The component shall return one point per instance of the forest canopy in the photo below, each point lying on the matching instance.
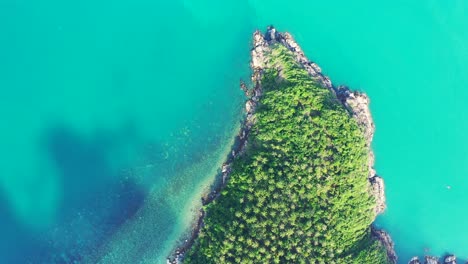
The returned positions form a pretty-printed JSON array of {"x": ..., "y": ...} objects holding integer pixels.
[{"x": 300, "y": 192}]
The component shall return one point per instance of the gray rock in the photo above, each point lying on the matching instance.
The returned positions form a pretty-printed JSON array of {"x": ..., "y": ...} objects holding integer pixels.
[
  {"x": 226, "y": 168},
  {"x": 431, "y": 260},
  {"x": 260, "y": 46},
  {"x": 250, "y": 106},
  {"x": 387, "y": 242},
  {"x": 414, "y": 260},
  {"x": 358, "y": 104},
  {"x": 450, "y": 259},
  {"x": 250, "y": 121},
  {"x": 378, "y": 191}
]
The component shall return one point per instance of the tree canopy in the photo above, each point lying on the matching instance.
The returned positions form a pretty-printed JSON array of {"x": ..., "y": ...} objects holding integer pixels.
[{"x": 300, "y": 192}]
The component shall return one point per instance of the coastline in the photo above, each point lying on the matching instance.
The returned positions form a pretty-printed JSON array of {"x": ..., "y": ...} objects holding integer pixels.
[
  {"x": 252, "y": 94},
  {"x": 356, "y": 103},
  {"x": 237, "y": 149}
]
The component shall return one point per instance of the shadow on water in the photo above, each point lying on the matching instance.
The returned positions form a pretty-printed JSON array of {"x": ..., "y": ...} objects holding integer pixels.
[
  {"x": 96, "y": 199},
  {"x": 19, "y": 238},
  {"x": 82, "y": 165}
]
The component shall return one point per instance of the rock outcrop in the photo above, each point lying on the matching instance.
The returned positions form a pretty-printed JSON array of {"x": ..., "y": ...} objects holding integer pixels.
[
  {"x": 431, "y": 260},
  {"x": 414, "y": 260},
  {"x": 357, "y": 104},
  {"x": 378, "y": 191},
  {"x": 450, "y": 259},
  {"x": 387, "y": 242}
]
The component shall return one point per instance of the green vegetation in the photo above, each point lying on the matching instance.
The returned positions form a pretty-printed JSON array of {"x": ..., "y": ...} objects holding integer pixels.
[{"x": 300, "y": 192}]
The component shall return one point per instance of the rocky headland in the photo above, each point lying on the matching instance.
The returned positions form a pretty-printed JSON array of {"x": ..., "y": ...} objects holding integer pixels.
[{"x": 357, "y": 104}]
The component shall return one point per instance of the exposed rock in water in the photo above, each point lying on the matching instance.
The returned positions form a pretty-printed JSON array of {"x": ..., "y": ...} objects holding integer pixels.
[
  {"x": 260, "y": 46},
  {"x": 431, "y": 260},
  {"x": 414, "y": 260},
  {"x": 450, "y": 259}
]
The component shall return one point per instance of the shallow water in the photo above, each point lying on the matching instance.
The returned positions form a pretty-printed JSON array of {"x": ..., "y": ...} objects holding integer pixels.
[{"x": 117, "y": 114}]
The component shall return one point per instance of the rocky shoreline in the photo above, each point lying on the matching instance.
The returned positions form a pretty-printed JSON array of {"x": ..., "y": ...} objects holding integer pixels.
[{"x": 449, "y": 259}]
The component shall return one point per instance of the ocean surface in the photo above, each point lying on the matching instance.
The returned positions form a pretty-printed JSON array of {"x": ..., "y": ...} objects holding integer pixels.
[{"x": 117, "y": 115}]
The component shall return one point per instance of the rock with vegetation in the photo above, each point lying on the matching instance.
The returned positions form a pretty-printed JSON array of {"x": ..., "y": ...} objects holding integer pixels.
[{"x": 300, "y": 192}]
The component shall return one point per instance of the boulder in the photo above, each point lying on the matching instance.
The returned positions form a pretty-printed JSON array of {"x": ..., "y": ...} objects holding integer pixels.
[
  {"x": 226, "y": 168},
  {"x": 450, "y": 259},
  {"x": 414, "y": 260},
  {"x": 250, "y": 106},
  {"x": 378, "y": 191},
  {"x": 431, "y": 260}
]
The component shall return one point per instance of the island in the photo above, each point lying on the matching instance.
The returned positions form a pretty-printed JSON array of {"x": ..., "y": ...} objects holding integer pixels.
[{"x": 299, "y": 186}]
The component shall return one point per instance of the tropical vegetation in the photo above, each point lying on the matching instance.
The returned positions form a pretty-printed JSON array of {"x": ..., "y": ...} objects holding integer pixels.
[{"x": 300, "y": 193}]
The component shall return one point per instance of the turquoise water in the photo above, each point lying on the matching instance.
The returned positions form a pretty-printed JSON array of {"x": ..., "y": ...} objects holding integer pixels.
[{"x": 116, "y": 115}]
